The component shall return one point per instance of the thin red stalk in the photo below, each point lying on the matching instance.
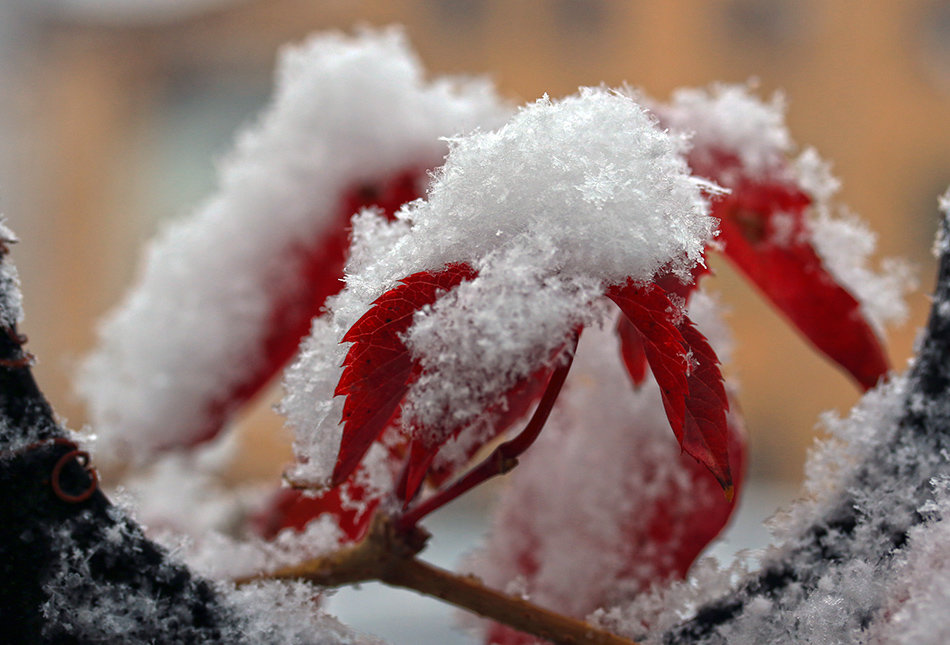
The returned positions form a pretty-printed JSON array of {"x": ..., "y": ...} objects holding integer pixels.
[{"x": 504, "y": 457}]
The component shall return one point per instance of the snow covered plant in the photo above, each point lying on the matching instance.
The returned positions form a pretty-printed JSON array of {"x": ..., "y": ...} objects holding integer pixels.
[{"x": 450, "y": 257}]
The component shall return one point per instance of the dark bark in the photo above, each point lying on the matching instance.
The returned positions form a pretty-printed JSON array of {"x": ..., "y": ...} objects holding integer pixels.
[{"x": 90, "y": 544}]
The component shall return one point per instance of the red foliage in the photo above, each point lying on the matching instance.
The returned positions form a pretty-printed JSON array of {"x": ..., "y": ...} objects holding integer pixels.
[
  {"x": 378, "y": 368},
  {"x": 686, "y": 369},
  {"x": 765, "y": 232},
  {"x": 665, "y": 532},
  {"x": 293, "y": 509}
]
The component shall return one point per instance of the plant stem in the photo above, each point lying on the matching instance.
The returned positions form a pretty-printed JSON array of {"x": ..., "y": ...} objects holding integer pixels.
[
  {"x": 387, "y": 554},
  {"x": 505, "y": 456},
  {"x": 469, "y": 593}
]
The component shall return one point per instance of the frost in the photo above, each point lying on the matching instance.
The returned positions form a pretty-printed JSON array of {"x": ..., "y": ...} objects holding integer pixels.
[
  {"x": 345, "y": 110},
  {"x": 527, "y": 206}
]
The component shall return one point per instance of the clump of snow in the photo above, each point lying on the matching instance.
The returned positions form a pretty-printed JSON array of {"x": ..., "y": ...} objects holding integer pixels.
[
  {"x": 941, "y": 242},
  {"x": 569, "y": 197},
  {"x": 730, "y": 118},
  {"x": 845, "y": 244},
  {"x": 831, "y": 599},
  {"x": 346, "y": 109},
  {"x": 221, "y": 556},
  {"x": 11, "y": 299},
  {"x": 288, "y": 613},
  {"x": 193, "y": 479},
  {"x": 915, "y": 611}
]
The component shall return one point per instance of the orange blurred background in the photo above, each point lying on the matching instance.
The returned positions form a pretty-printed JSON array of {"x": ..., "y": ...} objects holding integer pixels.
[{"x": 114, "y": 113}]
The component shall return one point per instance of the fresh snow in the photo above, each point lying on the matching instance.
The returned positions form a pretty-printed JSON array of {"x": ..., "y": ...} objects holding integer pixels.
[
  {"x": 567, "y": 198},
  {"x": 345, "y": 110}
]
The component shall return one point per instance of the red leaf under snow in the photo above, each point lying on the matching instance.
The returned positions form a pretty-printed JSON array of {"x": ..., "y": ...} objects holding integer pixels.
[
  {"x": 686, "y": 369},
  {"x": 320, "y": 272},
  {"x": 631, "y": 347},
  {"x": 510, "y": 408},
  {"x": 765, "y": 233},
  {"x": 378, "y": 368},
  {"x": 766, "y": 236},
  {"x": 291, "y": 508},
  {"x": 664, "y": 531}
]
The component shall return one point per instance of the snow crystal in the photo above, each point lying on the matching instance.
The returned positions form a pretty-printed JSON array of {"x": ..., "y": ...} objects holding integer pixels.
[
  {"x": 730, "y": 118},
  {"x": 569, "y": 197},
  {"x": 345, "y": 110}
]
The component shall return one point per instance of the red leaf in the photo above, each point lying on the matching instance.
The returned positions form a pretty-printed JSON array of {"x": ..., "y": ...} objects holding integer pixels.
[
  {"x": 765, "y": 232},
  {"x": 668, "y": 531},
  {"x": 791, "y": 274},
  {"x": 291, "y": 508},
  {"x": 687, "y": 371},
  {"x": 320, "y": 272},
  {"x": 511, "y": 407},
  {"x": 631, "y": 350},
  {"x": 378, "y": 369},
  {"x": 631, "y": 347}
]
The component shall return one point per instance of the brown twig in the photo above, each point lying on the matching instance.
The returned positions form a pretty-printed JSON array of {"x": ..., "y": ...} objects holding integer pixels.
[{"x": 387, "y": 554}]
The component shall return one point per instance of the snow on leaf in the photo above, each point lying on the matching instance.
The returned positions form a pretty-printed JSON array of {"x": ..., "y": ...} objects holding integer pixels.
[
  {"x": 741, "y": 143},
  {"x": 226, "y": 293},
  {"x": 510, "y": 203},
  {"x": 686, "y": 369},
  {"x": 765, "y": 234},
  {"x": 378, "y": 368}
]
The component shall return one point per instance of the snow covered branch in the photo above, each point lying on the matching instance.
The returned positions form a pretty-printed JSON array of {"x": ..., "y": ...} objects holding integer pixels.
[{"x": 837, "y": 575}]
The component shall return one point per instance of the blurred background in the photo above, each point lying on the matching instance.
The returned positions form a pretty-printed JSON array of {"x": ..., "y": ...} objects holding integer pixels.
[{"x": 114, "y": 111}]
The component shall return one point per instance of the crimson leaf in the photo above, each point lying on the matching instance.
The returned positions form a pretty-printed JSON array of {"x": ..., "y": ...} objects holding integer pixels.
[
  {"x": 765, "y": 233},
  {"x": 687, "y": 371},
  {"x": 787, "y": 269},
  {"x": 378, "y": 369}
]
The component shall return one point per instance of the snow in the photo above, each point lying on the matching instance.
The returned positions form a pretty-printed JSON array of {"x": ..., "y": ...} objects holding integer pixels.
[
  {"x": 92, "y": 603},
  {"x": 346, "y": 109},
  {"x": 11, "y": 299},
  {"x": 862, "y": 557},
  {"x": 567, "y": 198},
  {"x": 729, "y": 117}
]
